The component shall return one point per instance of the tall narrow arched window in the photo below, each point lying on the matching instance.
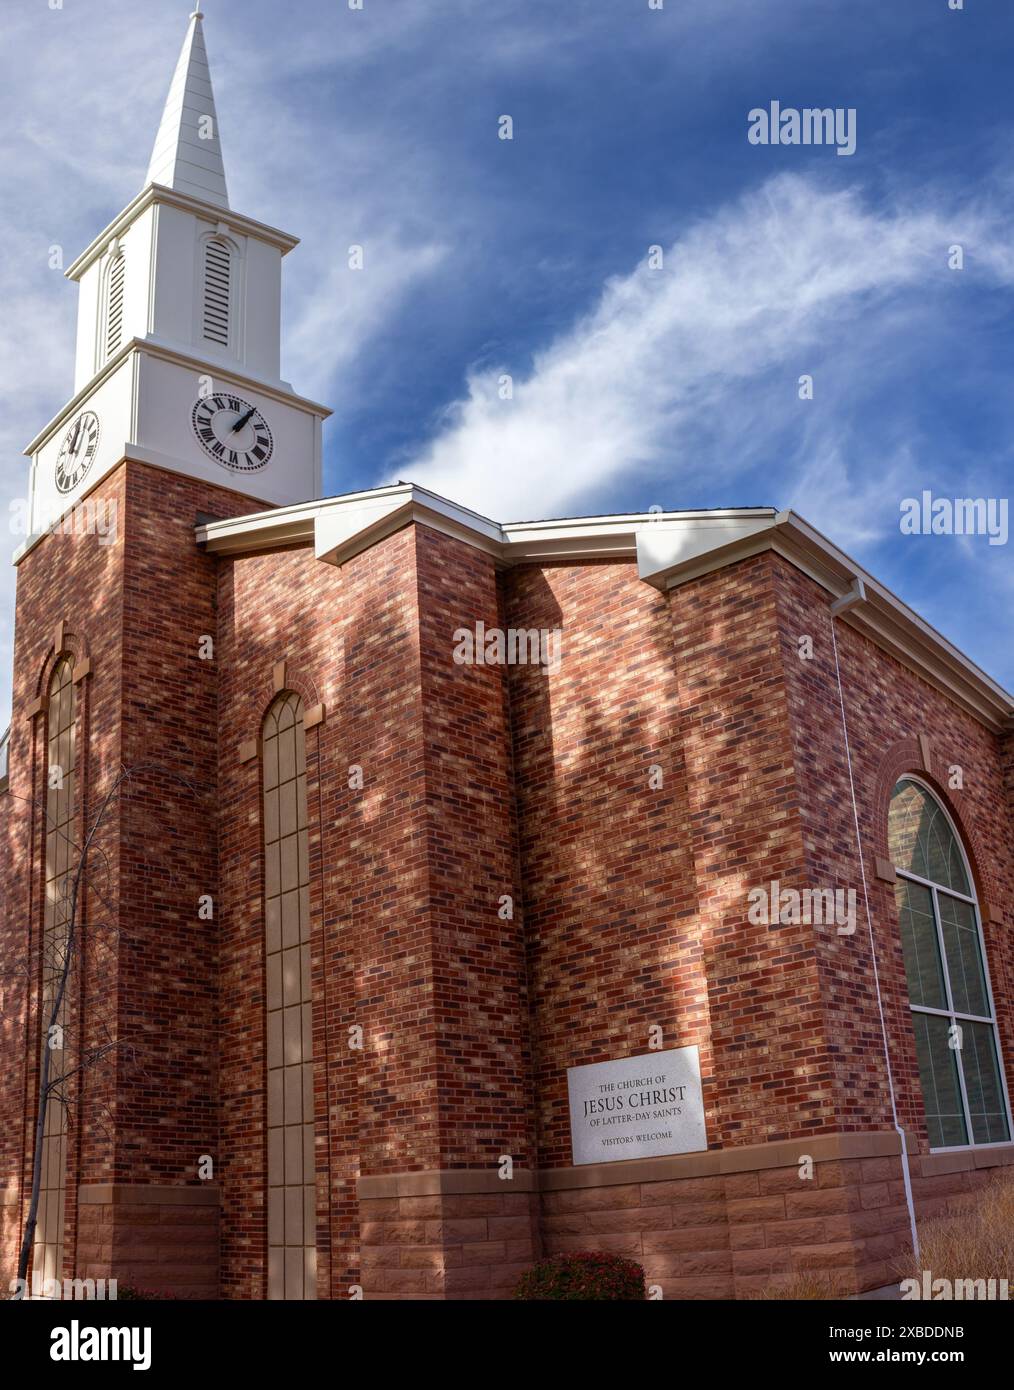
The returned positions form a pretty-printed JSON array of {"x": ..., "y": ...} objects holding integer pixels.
[
  {"x": 216, "y": 306},
  {"x": 292, "y": 1194},
  {"x": 948, "y": 978},
  {"x": 61, "y": 856},
  {"x": 116, "y": 275}
]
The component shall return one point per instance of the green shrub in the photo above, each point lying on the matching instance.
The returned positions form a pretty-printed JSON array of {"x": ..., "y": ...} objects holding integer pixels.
[
  {"x": 130, "y": 1293},
  {"x": 591, "y": 1274}
]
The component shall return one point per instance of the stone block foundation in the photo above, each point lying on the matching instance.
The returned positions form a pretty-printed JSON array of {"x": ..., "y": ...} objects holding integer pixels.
[
  {"x": 728, "y": 1223},
  {"x": 457, "y": 1234},
  {"x": 152, "y": 1237}
]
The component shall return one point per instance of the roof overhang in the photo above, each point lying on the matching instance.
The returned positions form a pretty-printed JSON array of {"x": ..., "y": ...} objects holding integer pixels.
[
  {"x": 669, "y": 548},
  {"x": 156, "y": 193},
  {"x": 340, "y": 527},
  {"x": 668, "y": 557}
]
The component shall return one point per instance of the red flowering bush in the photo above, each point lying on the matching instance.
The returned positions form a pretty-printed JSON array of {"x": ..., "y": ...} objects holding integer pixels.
[{"x": 586, "y": 1274}]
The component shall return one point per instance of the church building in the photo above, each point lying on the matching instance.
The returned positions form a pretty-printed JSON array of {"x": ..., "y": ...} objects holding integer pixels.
[{"x": 436, "y": 892}]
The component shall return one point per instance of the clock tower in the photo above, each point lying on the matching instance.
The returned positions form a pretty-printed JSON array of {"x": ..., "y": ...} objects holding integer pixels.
[
  {"x": 179, "y": 326},
  {"x": 121, "y": 656}
]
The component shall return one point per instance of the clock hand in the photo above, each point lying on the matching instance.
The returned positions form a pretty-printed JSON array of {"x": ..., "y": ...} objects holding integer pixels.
[
  {"x": 243, "y": 420},
  {"x": 77, "y": 436}
]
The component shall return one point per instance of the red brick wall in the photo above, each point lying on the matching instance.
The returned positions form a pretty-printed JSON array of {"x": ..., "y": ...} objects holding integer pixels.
[
  {"x": 406, "y": 875},
  {"x": 168, "y": 1108},
  {"x": 74, "y": 578},
  {"x": 147, "y": 976},
  {"x": 606, "y": 868},
  {"x": 478, "y": 956},
  {"x": 861, "y": 1093},
  {"x": 887, "y": 708},
  {"x": 1007, "y": 751},
  {"x": 269, "y": 609},
  {"x": 769, "y": 1042},
  {"x": 636, "y": 899},
  {"x": 750, "y": 737},
  {"x": 630, "y": 901}
]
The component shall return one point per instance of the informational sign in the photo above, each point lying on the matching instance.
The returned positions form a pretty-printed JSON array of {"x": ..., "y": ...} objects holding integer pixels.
[{"x": 637, "y": 1107}]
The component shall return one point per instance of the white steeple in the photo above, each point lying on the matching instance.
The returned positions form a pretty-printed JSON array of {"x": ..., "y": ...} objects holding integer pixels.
[
  {"x": 178, "y": 362},
  {"x": 188, "y": 154}
]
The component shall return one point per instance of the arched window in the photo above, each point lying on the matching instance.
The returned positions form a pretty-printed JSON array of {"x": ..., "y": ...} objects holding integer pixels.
[
  {"x": 61, "y": 856},
  {"x": 948, "y": 978},
  {"x": 292, "y": 1192},
  {"x": 116, "y": 273},
  {"x": 216, "y": 307}
]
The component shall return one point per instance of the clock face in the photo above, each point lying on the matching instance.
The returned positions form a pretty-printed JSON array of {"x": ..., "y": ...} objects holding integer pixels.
[
  {"x": 77, "y": 452},
  {"x": 233, "y": 432}
]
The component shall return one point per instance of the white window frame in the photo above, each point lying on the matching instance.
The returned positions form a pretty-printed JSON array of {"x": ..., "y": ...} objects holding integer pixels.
[{"x": 950, "y": 1012}]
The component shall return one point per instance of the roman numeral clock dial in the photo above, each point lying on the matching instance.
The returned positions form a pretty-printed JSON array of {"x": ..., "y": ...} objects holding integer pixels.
[
  {"x": 232, "y": 432},
  {"x": 77, "y": 452}
]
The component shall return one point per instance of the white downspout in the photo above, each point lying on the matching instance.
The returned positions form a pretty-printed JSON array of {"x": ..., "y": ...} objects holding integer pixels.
[{"x": 857, "y": 594}]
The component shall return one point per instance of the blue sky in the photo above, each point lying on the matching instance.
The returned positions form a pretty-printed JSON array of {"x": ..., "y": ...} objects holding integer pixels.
[{"x": 632, "y": 387}]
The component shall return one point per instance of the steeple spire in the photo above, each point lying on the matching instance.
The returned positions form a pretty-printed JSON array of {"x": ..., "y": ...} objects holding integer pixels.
[{"x": 188, "y": 154}]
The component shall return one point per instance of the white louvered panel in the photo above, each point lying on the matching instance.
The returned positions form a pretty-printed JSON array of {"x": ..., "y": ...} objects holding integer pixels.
[
  {"x": 114, "y": 306},
  {"x": 217, "y": 286}
]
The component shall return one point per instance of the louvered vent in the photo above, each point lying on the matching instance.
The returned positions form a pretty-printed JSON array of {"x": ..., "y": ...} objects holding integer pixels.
[
  {"x": 217, "y": 275},
  {"x": 114, "y": 306}
]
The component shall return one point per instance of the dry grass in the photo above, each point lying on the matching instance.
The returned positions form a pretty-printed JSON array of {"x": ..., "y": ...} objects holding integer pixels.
[
  {"x": 807, "y": 1284},
  {"x": 975, "y": 1243}
]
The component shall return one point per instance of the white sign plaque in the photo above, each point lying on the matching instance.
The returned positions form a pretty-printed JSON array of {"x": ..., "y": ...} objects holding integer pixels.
[{"x": 637, "y": 1107}]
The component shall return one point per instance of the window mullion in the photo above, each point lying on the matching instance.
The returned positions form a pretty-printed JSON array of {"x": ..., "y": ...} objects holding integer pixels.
[
  {"x": 928, "y": 883},
  {"x": 945, "y": 966},
  {"x": 993, "y": 1021}
]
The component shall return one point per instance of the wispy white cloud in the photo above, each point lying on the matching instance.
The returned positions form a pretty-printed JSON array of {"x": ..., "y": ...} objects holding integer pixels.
[
  {"x": 668, "y": 373},
  {"x": 748, "y": 299},
  {"x": 855, "y": 504}
]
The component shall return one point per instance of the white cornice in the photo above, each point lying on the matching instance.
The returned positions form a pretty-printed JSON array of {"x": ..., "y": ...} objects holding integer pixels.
[
  {"x": 274, "y": 390},
  {"x": 155, "y": 193}
]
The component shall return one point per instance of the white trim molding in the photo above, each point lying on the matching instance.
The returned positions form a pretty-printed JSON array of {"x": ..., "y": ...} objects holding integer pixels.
[
  {"x": 236, "y": 372},
  {"x": 156, "y": 193}
]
